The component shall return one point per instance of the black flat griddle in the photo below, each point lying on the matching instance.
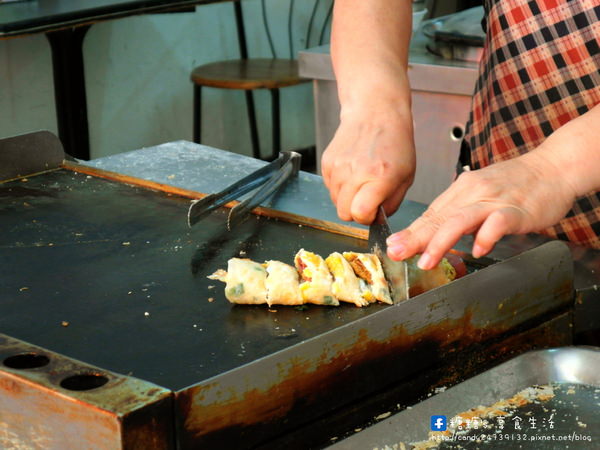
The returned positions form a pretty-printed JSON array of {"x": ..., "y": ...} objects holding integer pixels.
[
  {"x": 108, "y": 275},
  {"x": 120, "y": 265}
]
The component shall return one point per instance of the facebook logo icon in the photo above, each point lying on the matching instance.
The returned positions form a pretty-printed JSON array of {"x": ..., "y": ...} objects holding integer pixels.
[{"x": 438, "y": 423}]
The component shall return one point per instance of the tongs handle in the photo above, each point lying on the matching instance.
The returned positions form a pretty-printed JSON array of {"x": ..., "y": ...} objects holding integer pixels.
[
  {"x": 240, "y": 211},
  {"x": 204, "y": 206}
]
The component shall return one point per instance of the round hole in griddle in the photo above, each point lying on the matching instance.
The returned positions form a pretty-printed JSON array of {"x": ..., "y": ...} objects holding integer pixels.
[
  {"x": 26, "y": 361},
  {"x": 84, "y": 381}
]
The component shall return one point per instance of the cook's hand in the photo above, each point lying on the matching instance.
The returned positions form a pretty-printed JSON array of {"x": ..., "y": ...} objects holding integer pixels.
[
  {"x": 369, "y": 162},
  {"x": 518, "y": 196}
]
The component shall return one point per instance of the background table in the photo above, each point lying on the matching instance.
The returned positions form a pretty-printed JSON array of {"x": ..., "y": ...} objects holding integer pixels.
[{"x": 65, "y": 23}]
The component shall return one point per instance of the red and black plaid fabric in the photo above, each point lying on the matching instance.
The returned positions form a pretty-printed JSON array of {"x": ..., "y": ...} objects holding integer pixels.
[{"x": 540, "y": 69}]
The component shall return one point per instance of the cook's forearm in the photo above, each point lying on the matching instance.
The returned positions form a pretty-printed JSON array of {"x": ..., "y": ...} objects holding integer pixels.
[
  {"x": 574, "y": 152},
  {"x": 369, "y": 47}
]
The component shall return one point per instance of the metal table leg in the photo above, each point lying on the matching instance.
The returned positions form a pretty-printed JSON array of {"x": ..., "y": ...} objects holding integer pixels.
[
  {"x": 69, "y": 89},
  {"x": 276, "y": 120}
]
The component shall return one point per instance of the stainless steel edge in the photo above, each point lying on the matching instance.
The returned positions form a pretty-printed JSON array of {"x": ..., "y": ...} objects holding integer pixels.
[{"x": 577, "y": 365}]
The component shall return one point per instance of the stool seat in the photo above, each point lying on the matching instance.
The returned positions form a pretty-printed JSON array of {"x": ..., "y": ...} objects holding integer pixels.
[{"x": 248, "y": 74}]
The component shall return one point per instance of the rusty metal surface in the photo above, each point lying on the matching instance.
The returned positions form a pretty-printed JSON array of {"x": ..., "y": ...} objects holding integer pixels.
[
  {"x": 50, "y": 401},
  {"x": 403, "y": 394},
  {"x": 286, "y": 388}
]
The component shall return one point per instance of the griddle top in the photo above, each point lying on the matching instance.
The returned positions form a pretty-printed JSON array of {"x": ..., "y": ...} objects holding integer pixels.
[{"x": 120, "y": 268}]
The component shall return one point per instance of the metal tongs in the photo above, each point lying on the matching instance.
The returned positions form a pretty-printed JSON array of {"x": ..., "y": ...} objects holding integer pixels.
[{"x": 271, "y": 177}]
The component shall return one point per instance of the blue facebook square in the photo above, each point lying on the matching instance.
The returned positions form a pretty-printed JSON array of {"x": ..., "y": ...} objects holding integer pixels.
[{"x": 438, "y": 423}]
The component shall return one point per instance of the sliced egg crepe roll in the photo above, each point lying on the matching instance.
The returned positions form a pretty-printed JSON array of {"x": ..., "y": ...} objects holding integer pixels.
[
  {"x": 245, "y": 281},
  {"x": 345, "y": 286},
  {"x": 316, "y": 285},
  {"x": 283, "y": 285},
  {"x": 368, "y": 267}
]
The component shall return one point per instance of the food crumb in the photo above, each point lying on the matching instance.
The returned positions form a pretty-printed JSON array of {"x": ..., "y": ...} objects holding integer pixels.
[
  {"x": 146, "y": 313},
  {"x": 570, "y": 391},
  {"x": 211, "y": 286},
  {"x": 242, "y": 253},
  {"x": 24, "y": 288},
  {"x": 170, "y": 177},
  {"x": 64, "y": 323},
  {"x": 210, "y": 299},
  {"x": 383, "y": 416},
  {"x": 581, "y": 424},
  {"x": 126, "y": 243},
  {"x": 130, "y": 292},
  {"x": 272, "y": 310}
]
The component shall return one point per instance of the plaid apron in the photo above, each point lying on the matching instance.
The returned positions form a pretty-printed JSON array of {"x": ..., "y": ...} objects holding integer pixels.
[{"x": 540, "y": 68}]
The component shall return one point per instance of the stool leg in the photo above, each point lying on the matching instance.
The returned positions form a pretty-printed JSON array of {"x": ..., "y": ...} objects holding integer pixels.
[
  {"x": 253, "y": 126},
  {"x": 197, "y": 113},
  {"x": 275, "y": 117}
]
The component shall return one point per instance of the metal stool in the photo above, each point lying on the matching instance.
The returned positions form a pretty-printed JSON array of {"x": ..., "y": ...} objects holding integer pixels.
[{"x": 248, "y": 74}]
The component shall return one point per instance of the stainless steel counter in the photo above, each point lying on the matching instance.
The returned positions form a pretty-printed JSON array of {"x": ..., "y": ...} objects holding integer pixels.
[
  {"x": 205, "y": 169},
  {"x": 427, "y": 72}
]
